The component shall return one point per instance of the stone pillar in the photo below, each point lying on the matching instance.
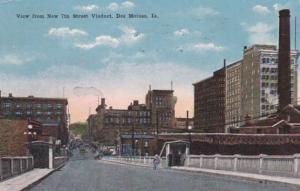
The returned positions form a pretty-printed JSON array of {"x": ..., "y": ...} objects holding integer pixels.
[
  {"x": 201, "y": 161},
  {"x": 167, "y": 154},
  {"x": 21, "y": 165},
  {"x": 235, "y": 162},
  {"x": 12, "y": 166},
  {"x": 50, "y": 153},
  {"x": 261, "y": 160},
  {"x": 187, "y": 154},
  {"x": 216, "y": 162},
  {"x": 296, "y": 164}
]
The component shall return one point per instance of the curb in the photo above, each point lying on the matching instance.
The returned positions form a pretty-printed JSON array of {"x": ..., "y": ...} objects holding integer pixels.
[{"x": 42, "y": 178}]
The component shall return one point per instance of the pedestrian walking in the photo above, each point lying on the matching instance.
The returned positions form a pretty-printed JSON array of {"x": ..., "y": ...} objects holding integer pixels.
[{"x": 156, "y": 162}]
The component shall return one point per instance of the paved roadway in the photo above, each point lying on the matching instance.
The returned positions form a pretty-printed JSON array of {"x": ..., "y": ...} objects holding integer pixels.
[{"x": 86, "y": 174}]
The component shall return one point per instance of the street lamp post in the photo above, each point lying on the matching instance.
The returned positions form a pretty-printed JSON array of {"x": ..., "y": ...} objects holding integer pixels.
[
  {"x": 31, "y": 134},
  {"x": 189, "y": 129},
  {"x": 190, "y": 136}
]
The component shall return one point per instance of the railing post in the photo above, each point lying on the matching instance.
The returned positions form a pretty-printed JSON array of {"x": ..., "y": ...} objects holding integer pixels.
[
  {"x": 27, "y": 163},
  {"x": 216, "y": 161},
  {"x": 1, "y": 174},
  {"x": 201, "y": 161},
  {"x": 261, "y": 160},
  {"x": 32, "y": 162},
  {"x": 21, "y": 161},
  {"x": 12, "y": 166},
  {"x": 188, "y": 160},
  {"x": 50, "y": 153},
  {"x": 235, "y": 162},
  {"x": 296, "y": 164}
]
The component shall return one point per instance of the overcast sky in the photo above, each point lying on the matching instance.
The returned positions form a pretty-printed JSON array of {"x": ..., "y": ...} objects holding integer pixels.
[{"x": 119, "y": 58}]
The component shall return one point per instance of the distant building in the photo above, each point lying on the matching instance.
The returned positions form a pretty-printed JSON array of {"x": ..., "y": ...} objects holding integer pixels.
[
  {"x": 181, "y": 123},
  {"x": 233, "y": 95},
  {"x": 107, "y": 125},
  {"x": 259, "y": 83},
  {"x": 50, "y": 112},
  {"x": 209, "y": 103},
  {"x": 162, "y": 106},
  {"x": 286, "y": 121}
]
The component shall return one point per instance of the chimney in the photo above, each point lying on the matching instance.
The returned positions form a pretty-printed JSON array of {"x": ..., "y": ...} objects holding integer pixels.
[
  {"x": 284, "y": 68},
  {"x": 102, "y": 101},
  {"x": 135, "y": 102},
  {"x": 247, "y": 120}
]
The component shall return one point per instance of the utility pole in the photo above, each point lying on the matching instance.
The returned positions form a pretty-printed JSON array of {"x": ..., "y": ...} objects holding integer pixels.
[
  {"x": 132, "y": 136},
  {"x": 156, "y": 131}
]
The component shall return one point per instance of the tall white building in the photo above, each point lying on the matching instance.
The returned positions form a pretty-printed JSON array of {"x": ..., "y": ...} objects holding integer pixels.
[{"x": 253, "y": 90}]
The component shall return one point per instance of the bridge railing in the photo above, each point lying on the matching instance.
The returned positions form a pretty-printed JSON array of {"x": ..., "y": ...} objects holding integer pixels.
[
  {"x": 260, "y": 164},
  {"x": 11, "y": 166},
  {"x": 144, "y": 160}
]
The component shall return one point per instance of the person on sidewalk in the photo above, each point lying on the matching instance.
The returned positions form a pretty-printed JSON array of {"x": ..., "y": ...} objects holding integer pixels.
[{"x": 156, "y": 162}]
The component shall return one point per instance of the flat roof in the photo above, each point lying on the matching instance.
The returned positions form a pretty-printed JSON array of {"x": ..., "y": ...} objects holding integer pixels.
[{"x": 34, "y": 98}]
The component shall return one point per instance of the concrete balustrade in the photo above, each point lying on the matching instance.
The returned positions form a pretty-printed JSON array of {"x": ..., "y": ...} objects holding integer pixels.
[
  {"x": 58, "y": 161},
  {"x": 144, "y": 160},
  {"x": 10, "y": 166},
  {"x": 261, "y": 164}
]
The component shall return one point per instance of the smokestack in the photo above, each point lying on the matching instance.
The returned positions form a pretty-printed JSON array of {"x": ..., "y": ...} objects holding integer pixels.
[
  {"x": 103, "y": 105},
  {"x": 284, "y": 67}
]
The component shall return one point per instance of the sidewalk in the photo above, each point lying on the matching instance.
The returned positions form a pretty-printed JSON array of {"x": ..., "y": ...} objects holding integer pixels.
[
  {"x": 22, "y": 181},
  {"x": 245, "y": 176}
]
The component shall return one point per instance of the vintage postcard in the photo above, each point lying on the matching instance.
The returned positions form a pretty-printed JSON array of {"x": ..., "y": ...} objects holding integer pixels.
[{"x": 134, "y": 95}]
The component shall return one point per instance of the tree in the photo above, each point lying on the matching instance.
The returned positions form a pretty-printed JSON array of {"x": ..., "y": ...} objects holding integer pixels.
[{"x": 79, "y": 129}]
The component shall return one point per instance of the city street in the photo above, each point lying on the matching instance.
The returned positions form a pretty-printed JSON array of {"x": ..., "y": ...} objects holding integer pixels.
[{"x": 86, "y": 174}]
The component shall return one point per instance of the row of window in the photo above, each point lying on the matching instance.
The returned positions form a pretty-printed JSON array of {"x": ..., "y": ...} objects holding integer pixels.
[
  {"x": 31, "y": 113},
  {"x": 272, "y": 60},
  {"x": 27, "y": 105},
  {"x": 126, "y": 120},
  {"x": 272, "y": 92},
  {"x": 268, "y": 107},
  {"x": 267, "y": 77},
  {"x": 271, "y": 70},
  {"x": 129, "y": 113},
  {"x": 266, "y": 84},
  {"x": 268, "y": 60}
]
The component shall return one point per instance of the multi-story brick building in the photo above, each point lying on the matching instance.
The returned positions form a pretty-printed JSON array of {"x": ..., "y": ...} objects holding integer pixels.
[
  {"x": 109, "y": 125},
  {"x": 162, "y": 106},
  {"x": 233, "y": 95},
  {"x": 259, "y": 80},
  {"x": 209, "y": 103},
  {"x": 50, "y": 112}
]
